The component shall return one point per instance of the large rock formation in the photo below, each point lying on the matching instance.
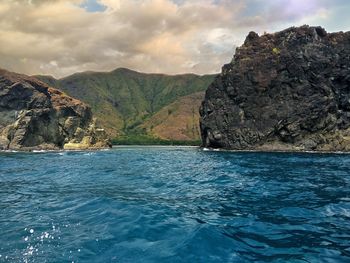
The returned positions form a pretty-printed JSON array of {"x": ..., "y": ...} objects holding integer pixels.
[
  {"x": 284, "y": 91},
  {"x": 35, "y": 116}
]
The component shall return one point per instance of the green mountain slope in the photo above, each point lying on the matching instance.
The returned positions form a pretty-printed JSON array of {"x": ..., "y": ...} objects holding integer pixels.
[
  {"x": 178, "y": 120},
  {"x": 127, "y": 101}
]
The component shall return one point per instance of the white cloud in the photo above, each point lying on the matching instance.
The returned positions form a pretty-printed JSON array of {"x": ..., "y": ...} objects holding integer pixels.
[{"x": 60, "y": 37}]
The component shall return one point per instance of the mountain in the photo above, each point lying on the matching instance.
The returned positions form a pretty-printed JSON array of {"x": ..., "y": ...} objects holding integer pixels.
[
  {"x": 178, "y": 120},
  {"x": 284, "y": 91},
  {"x": 127, "y": 101},
  {"x": 36, "y": 116}
]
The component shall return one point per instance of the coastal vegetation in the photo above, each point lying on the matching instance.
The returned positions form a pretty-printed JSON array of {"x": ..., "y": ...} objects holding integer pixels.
[
  {"x": 127, "y": 102},
  {"x": 144, "y": 139}
]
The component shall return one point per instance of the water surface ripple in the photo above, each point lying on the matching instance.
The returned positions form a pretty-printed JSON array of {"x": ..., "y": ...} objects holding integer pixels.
[{"x": 174, "y": 204}]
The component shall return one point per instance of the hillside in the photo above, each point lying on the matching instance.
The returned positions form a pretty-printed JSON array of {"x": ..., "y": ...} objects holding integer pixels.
[
  {"x": 127, "y": 101},
  {"x": 177, "y": 121}
]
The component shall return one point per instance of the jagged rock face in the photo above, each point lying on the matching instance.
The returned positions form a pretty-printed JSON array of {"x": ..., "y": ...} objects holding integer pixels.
[
  {"x": 284, "y": 91},
  {"x": 35, "y": 116}
]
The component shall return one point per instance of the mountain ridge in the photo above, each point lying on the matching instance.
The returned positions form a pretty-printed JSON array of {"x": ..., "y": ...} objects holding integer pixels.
[{"x": 123, "y": 99}]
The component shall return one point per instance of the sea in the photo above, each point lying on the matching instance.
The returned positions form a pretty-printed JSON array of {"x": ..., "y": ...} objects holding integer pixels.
[{"x": 174, "y": 204}]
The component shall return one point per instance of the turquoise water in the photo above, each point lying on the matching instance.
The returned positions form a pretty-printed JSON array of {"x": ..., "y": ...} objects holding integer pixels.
[{"x": 174, "y": 204}]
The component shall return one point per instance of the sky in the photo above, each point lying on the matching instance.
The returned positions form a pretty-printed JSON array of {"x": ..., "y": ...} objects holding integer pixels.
[{"x": 62, "y": 37}]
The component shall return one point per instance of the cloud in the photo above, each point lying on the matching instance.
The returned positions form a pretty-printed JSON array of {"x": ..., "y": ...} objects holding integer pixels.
[{"x": 60, "y": 37}]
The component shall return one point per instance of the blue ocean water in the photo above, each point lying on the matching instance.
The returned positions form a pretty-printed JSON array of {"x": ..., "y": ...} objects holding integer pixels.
[{"x": 174, "y": 204}]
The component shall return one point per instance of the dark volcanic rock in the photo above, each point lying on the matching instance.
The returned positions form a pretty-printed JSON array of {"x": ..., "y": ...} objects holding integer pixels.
[
  {"x": 35, "y": 116},
  {"x": 284, "y": 91}
]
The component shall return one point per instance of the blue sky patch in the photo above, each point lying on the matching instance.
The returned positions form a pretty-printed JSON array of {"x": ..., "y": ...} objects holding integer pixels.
[{"x": 93, "y": 6}]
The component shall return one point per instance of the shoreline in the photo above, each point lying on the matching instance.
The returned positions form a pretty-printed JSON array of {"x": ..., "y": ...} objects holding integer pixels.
[
  {"x": 204, "y": 149},
  {"x": 55, "y": 151},
  {"x": 272, "y": 151}
]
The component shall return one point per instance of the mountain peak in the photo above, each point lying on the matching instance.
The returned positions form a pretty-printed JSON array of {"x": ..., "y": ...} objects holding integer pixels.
[{"x": 124, "y": 70}]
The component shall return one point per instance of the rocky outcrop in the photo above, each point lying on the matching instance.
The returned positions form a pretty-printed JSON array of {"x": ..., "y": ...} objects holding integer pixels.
[
  {"x": 284, "y": 91},
  {"x": 35, "y": 116}
]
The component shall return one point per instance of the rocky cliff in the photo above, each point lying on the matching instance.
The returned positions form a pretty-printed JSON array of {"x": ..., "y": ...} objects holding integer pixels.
[
  {"x": 35, "y": 116},
  {"x": 284, "y": 91}
]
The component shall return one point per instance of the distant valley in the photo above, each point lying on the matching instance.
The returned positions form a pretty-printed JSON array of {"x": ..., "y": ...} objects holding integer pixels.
[{"x": 127, "y": 102}]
